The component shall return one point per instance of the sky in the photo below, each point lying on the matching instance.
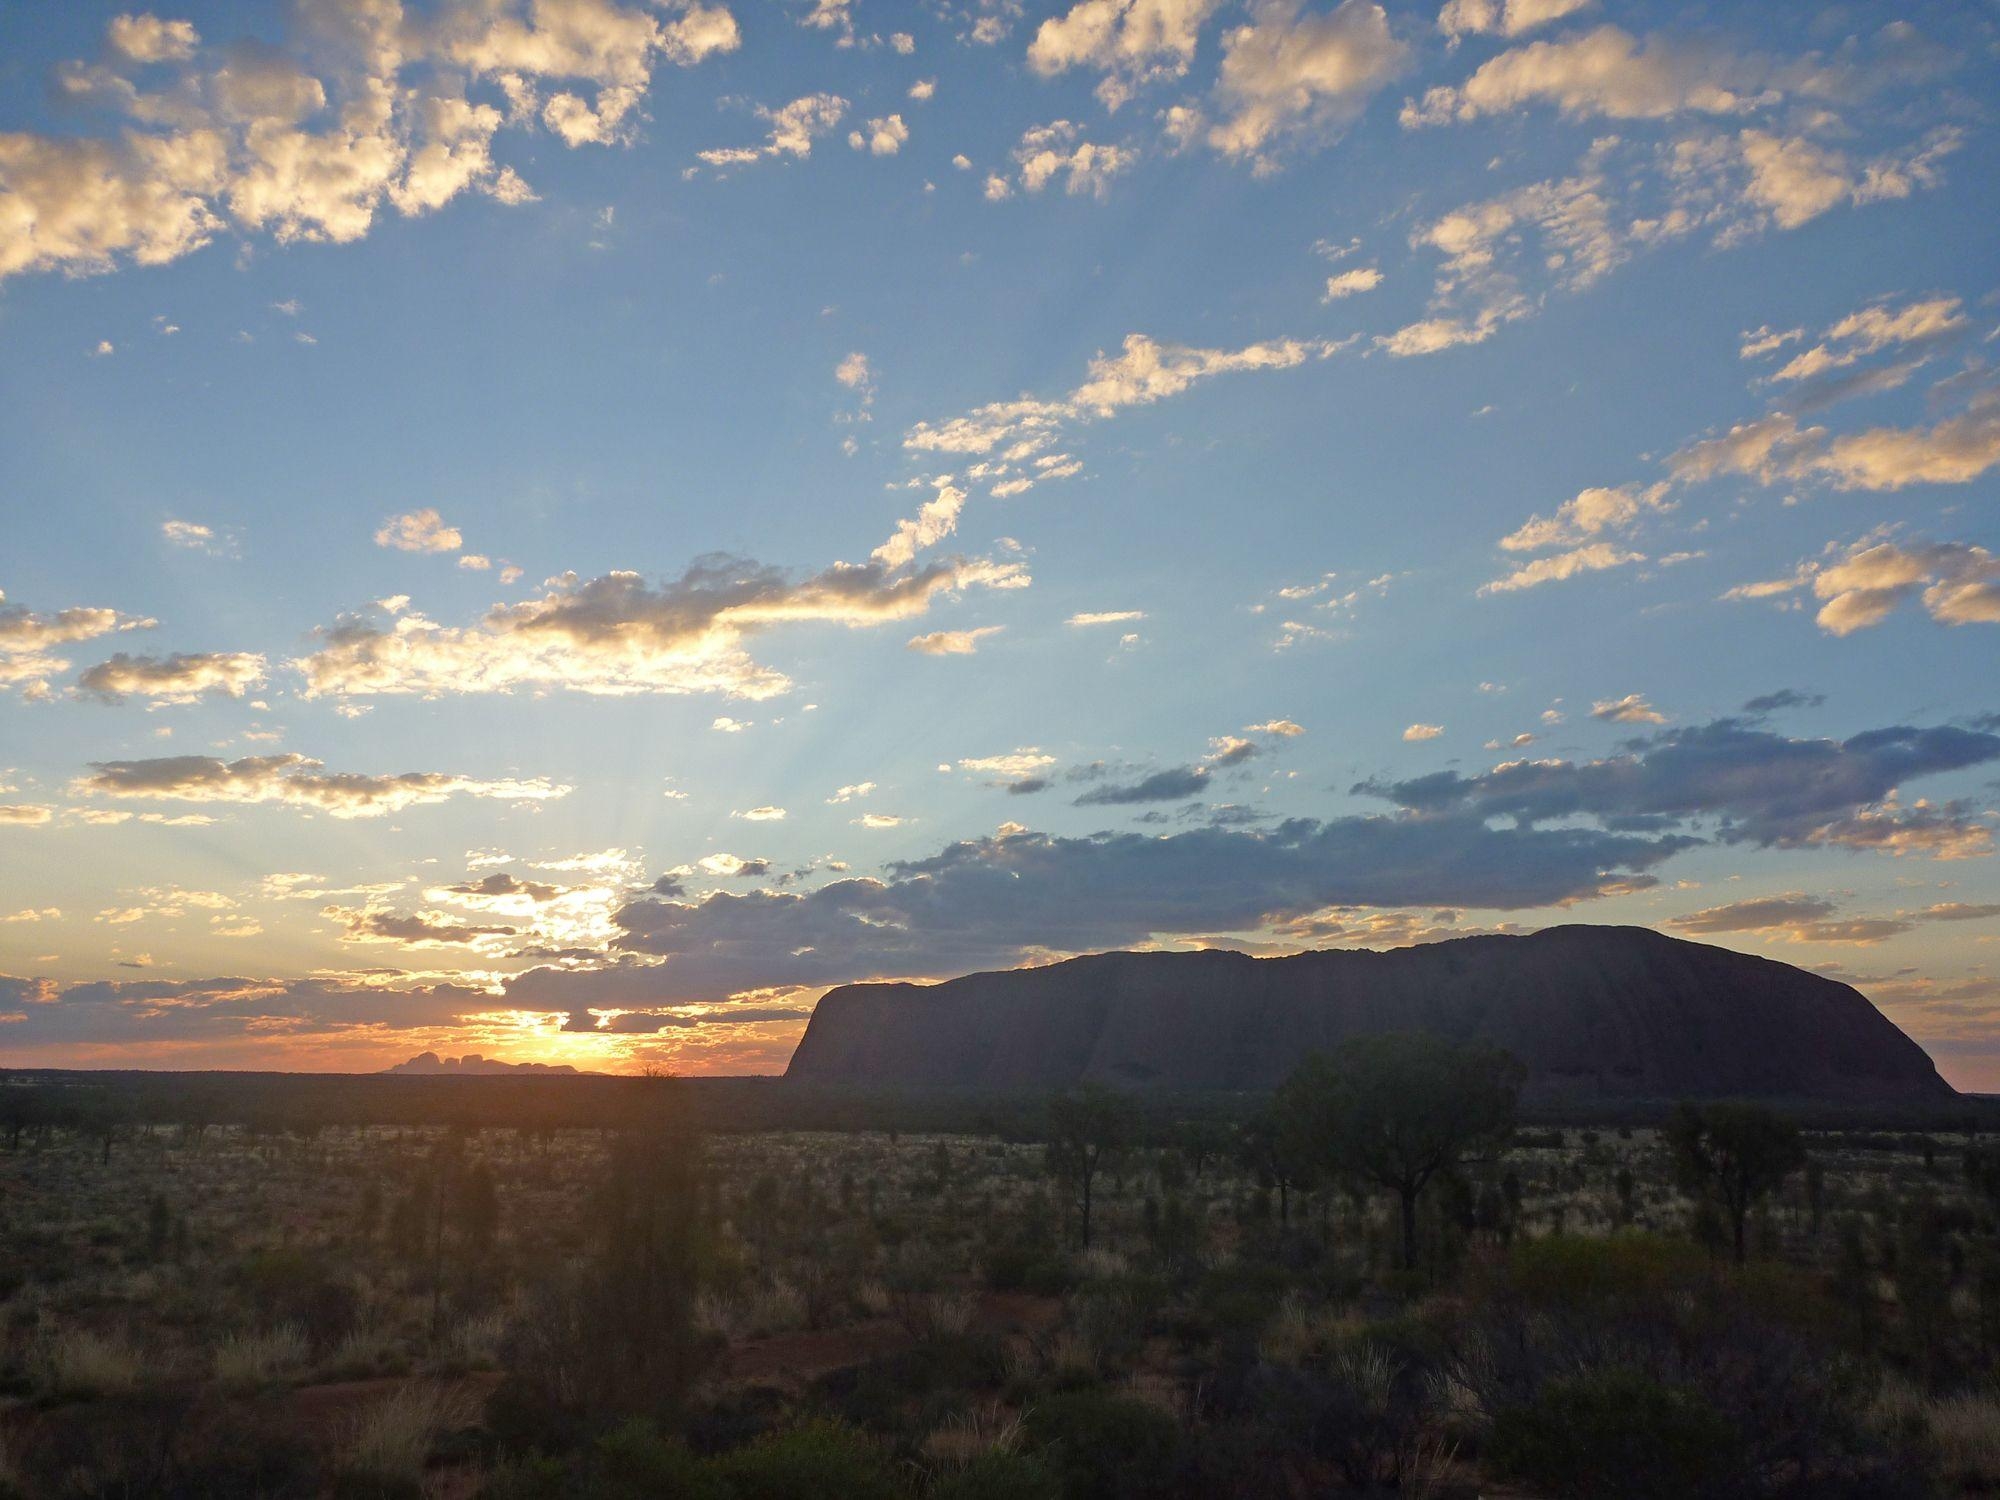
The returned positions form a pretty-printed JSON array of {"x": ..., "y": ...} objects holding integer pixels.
[{"x": 562, "y": 529}]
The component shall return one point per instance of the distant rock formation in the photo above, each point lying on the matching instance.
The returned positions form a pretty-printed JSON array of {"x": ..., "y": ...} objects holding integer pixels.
[
  {"x": 1595, "y": 1013},
  {"x": 472, "y": 1062}
]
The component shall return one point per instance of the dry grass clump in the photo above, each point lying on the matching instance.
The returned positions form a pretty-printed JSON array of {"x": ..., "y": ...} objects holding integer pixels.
[
  {"x": 254, "y": 1359},
  {"x": 990, "y": 1428},
  {"x": 1965, "y": 1430},
  {"x": 389, "y": 1441},
  {"x": 777, "y": 1308},
  {"x": 78, "y": 1364},
  {"x": 475, "y": 1343},
  {"x": 1298, "y": 1329}
]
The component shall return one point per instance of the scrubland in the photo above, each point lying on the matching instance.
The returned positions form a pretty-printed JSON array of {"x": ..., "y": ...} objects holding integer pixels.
[{"x": 657, "y": 1311}]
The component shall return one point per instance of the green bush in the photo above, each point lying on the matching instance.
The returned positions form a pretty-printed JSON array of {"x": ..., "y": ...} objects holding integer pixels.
[
  {"x": 1105, "y": 1446},
  {"x": 1617, "y": 1435},
  {"x": 1000, "y": 1476},
  {"x": 818, "y": 1461}
]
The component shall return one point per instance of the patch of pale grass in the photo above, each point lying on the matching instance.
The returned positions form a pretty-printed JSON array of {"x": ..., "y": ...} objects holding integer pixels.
[
  {"x": 78, "y": 1363},
  {"x": 1099, "y": 1264},
  {"x": 476, "y": 1342},
  {"x": 778, "y": 1308},
  {"x": 715, "y": 1316},
  {"x": 943, "y": 1315},
  {"x": 874, "y": 1299},
  {"x": 1966, "y": 1433},
  {"x": 1298, "y": 1329},
  {"x": 973, "y": 1434},
  {"x": 254, "y": 1359},
  {"x": 388, "y": 1441}
]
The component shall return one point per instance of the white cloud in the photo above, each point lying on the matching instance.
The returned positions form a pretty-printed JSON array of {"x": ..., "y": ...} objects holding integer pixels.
[
  {"x": 145, "y": 38},
  {"x": 1106, "y": 617},
  {"x": 1417, "y": 733},
  {"x": 1591, "y": 559},
  {"x": 1630, "y": 709},
  {"x": 953, "y": 642},
  {"x": 1292, "y": 77},
  {"x": 793, "y": 130},
  {"x": 882, "y": 137},
  {"x": 419, "y": 531},
  {"x": 1349, "y": 283},
  {"x": 1051, "y": 151},
  {"x": 28, "y": 641},
  {"x": 180, "y": 678},
  {"x": 1604, "y": 72},
  {"x": 1591, "y": 513},
  {"x": 1503, "y": 17},
  {"x": 764, "y": 814},
  {"x": 1132, "y": 42}
]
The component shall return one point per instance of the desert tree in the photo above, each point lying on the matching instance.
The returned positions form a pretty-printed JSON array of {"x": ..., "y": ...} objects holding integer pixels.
[
  {"x": 1086, "y": 1127},
  {"x": 1396, "y": 1111},
  {"x": 1733, "y": 1155}
]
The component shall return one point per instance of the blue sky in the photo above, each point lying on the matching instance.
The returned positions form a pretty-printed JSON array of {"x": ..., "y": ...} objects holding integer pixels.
[{"x": 563, "y": 529}]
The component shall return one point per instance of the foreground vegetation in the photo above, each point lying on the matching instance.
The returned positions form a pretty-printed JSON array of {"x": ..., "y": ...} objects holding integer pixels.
[{"x": 650, "y": 1308}]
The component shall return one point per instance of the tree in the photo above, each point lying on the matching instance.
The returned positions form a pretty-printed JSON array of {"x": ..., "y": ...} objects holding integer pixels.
[
  {"x": 1397, "y": 1110},
  {"x": 1086, "y": 1126},
  {"x": 1733, "y": 1155}
]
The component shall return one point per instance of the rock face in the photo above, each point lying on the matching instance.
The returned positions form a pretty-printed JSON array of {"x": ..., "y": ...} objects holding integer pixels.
[{"x": 1595, "y": 1013}]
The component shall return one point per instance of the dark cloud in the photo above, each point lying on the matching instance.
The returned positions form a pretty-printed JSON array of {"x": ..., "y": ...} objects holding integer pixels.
[
  {"x": 1171, "y": 785},
  {"x": 1027, "y": 786},
  {"x": 1755, "y": 915},
  {"x": 996, "y": 901},
  {"x": 502, "y": 884},
  {"x": 1770, "y": 703},
  {"x": 1762, "y": 788},
  {"x": 417, "y": 929}
]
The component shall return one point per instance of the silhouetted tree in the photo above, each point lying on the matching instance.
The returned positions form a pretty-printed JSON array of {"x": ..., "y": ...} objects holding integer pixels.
[
  {"x": 1396, "y": 1111},
  {"x": 1733, "y": 1155},
  {"x": 1086, "y": 1127}
]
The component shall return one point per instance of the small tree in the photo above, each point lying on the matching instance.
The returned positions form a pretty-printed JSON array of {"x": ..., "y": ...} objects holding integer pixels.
[
  {"x": 1397, "y": 1110},
  {"x": 1733, "y": 1155},
  {"x": 1086, "y": 1126}
]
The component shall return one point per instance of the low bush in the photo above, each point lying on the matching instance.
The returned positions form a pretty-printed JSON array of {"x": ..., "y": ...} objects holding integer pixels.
[{"x": 1618, "y": 1435}]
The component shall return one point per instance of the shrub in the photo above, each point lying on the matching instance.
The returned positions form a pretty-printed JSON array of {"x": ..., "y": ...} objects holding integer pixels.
[
  {"x": 1105, "y": 1446},
  {"x": 634, "y": 1462},
  {"x": 995, "y": 1475},
  {"x": 388, "y": 1442},
  {"x": 78, "y": 1364},
  {"x": 817, "y": 1461},
  {"x": 1617, "y": 1435},
  {"x": 254, "y": 1359}
]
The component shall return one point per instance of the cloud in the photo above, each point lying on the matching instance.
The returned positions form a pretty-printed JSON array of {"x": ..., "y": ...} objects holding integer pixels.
[
  {"x": 24, "y": 814},
  {"x": 882, "y": 137},
  {"x": 146, "y": 38},
  {"x": 1793, "y": 916},
  {"x": 1594, "y": 558},
  {"x": 1047, "y": 152},
  {"x": 1016, "y": 767},
  {"x": 295, "y": 780},
  {"x": 1291, "y": 78},
  {"x": 1349, "y": 283},
  {"x": 1958, "y": 584},
  {"x": 1134, "y": 43},
  {"x": 1591, "y": 513},
  {"x": 1017, "y": 895},
  {"x": 28, "y": 641},
  {"x": 1766, "y": 703},
  {"x": 1756, "y": 787},
  {"x": 419, "y": 531},
  {"x": 794, "y": 128},
  {"x": 195, "y": 537},
  {"x": 1417, "y": 733},
  {"x": 415, "y": 930},
  {"x": 849, "y": 793},
  {"x": 935, "y": 520},
  {"x": 618, "y": 634},
  {"x": 1282, "y": 728},
  {"x": 1172, "y": 785},
  {"x": 1142, "y": 372},
  {"x": 1601, "y": 73},
  {"x": 1105, "y": 617},
  {"x": 307, "y": 138},
  {"x": 1461, "y": 18},
  {"x": 1630, "y": 709},
  {"x": 180, "y": 678},
  {"x": 1871, "y": 330},
  {"x": 953, "y": 642},
  {"x": 766, "y": 814}
]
